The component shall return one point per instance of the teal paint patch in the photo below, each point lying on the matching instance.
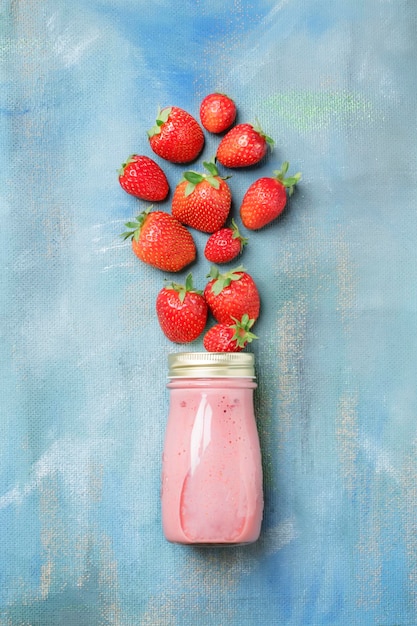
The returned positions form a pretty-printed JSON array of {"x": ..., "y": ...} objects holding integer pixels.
[{"x": 305, "y": 110}]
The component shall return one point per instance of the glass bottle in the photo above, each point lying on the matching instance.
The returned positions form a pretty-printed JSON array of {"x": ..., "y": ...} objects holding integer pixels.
[{"x": 211, "y": 469}]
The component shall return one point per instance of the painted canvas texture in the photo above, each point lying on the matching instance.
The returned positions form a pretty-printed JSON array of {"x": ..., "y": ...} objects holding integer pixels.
[{"x": 84, "y": 362}]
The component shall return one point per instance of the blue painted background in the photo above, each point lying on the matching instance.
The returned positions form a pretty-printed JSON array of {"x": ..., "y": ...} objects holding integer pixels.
[{"x": 83, "y": 362}]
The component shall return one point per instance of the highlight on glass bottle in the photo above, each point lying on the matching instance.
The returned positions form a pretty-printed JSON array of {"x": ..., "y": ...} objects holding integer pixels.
[{"x": 211, "y": 469}]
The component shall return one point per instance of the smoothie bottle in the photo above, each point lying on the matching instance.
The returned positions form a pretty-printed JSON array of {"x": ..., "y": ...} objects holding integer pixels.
[{"x": 211, "y": 469}]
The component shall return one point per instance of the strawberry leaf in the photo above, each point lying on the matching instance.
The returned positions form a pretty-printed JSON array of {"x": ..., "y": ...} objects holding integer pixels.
[
  {"x": 193, "y": 177},
  {"x": 219, "y": 285},
  {"x": 162, "y": 117},
  {"x": 292, "y": 180},
  {"x": 214, "y": 272},
  {"x": 182, "y": 290},
  {"x": 257, "y": 127},
  {"x": 126, "y": 235},
  {"x": 223, "y": 280},
  {"x": 155, "y": 130},
  {"x": 189, "y": 282},
  {"x": 233, "y": 272},
  {"x": 189, "y": 189},
  {"x": 211, "y": 167},
  {"x": 236, "y": 235},
  {"x": 214, "y": 182},
  {"x": 284, "y": 168},
  {"x": 137, "y": 225},
  {"x": 129, "y": 160},
  {"x": 242, "y": 333}
]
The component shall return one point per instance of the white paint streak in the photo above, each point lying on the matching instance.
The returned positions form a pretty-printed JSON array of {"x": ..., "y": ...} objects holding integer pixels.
[
  {"x": 71, "y": 459},
  {"x": 70, "y": 44},
  {"x": 117, "y": 266},
  {"x": 113, "y": 246}
]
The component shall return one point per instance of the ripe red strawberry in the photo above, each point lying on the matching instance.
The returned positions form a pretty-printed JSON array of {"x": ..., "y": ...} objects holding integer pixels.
[
  {"x": 224, "y": 245},
  {"x": 229, "y": 337},
  {"x": 176, "y": 136},
  {"x": 217, "y": 112},
  {"x": 161, "y": 241},
  {"x": 142, "y": 177},
  {"x": 182, "y": 311},
  {"x": 202, "y": 201},
  {"x": 231, "y": 295},
  {"x": 266, "y": 198},
  {"x": 242, "y": 146}
]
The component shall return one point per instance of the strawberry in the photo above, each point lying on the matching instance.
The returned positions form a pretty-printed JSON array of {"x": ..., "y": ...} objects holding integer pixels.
[
  {"x": 266, "y": 198},
  {"x": 229, "y": 337},
  {"x": 142, "y": 177},
  {"x": 224, "y": 245},
  {"x": 217, "y": 112},
  {"x": 231, "y": 295},
  {"x": 243, "y": 145},
  {"x": 176, "y": 136},
  {"x": 161, "y": 241},
  {"x": 182, "y": 311},
  {"x": 202, "y": 201}
]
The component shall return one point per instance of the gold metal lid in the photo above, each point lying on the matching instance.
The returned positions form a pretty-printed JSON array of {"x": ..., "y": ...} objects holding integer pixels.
[{"x": 211, "y": 364}]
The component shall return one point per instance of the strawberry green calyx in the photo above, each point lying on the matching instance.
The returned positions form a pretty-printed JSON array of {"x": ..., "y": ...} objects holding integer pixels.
[
  {"x": 161, "y": 118},
  {"x": 194, "y": 178},
  {"x": 124, "y": 165},
  {"x": 290, "y": 182},
  {"x": 242, "y": 331},
  {"x": 257, "y": 127},
  {"x": 211, "y": 167},
  {"x": 236, "y": 235},
  {"x": 182, "y": 290},
  {"x": 223, "y": 280},
  {"x": 135, "y": 226}
]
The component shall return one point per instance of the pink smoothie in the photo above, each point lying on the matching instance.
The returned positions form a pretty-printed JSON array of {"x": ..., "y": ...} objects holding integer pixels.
[{"x": 211, "y": 472}]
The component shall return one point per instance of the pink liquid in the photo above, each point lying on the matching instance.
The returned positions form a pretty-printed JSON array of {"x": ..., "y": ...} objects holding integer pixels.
[{"x": 211, "y": 472}]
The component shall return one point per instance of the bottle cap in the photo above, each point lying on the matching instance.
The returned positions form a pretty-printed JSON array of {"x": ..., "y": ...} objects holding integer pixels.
[{"x": 211, "y": 365}]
